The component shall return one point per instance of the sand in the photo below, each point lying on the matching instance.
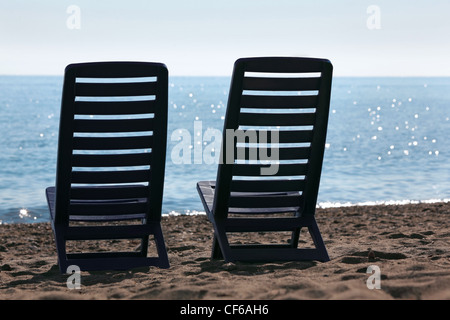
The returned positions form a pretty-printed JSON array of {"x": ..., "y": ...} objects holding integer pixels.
[{"x": 408, "y": 243}]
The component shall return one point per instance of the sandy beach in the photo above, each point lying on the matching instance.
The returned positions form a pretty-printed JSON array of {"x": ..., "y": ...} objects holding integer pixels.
[{"x": 408, "y": 243}]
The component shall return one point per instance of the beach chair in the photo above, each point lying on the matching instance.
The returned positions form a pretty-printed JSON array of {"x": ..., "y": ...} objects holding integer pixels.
[
  {"x": 290, "y": 98},
  {"x": 110, "y": 165}
]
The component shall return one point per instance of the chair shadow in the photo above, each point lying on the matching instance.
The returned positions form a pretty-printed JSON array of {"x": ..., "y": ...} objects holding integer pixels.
[
  {"x": 253, "y": 268},
  {"x": 88, "y": 277}
]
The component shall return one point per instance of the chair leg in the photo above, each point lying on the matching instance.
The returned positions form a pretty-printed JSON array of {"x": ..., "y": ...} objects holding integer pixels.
[
  {"x": 318, "y": 241},
  {"x": 61, "y": 250},
  {"x": 216, "y": 253},
  {"x": 295, "y": 237},
  {"x": 221, "y": 247},
  {"x": 144, "y": 242},
  {"x": 144, "y": 246},
  {"x": 161, "y": 248}
]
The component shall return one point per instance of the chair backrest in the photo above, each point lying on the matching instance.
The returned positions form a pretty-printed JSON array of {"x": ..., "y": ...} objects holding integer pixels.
[
  {"x": 290, "y": 98},
  {"x": 112, "y": 140}
]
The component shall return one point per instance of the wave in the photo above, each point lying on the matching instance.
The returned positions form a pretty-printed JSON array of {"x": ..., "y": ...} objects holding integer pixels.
[
  {"x": 324, "y": 205},
  {"x": 328, "y": 204}
]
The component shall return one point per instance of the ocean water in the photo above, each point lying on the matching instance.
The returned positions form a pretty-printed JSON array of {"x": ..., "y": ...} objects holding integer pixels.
[{"x": 387, "y": 142}]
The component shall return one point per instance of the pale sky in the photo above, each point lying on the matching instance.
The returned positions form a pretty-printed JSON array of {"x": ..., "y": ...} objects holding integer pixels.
[{"x": 205, "y": 37}]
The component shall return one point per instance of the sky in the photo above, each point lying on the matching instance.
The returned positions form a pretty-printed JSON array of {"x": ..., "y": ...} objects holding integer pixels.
[{"x": 205, "y": 37}]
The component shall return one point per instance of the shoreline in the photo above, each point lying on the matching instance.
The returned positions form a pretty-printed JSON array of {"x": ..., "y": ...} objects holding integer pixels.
[
  {"x": 321, "y": 205},
  {"x": 409, "y": 243}
]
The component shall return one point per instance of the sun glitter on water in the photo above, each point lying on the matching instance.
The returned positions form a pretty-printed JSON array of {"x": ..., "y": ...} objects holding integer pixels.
[{"x": 23, "y": 213}]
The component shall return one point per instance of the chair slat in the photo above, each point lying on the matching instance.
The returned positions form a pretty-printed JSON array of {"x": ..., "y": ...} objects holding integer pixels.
[
  {"x": 276, "y": 119},
  {"x": 125, "y": 125},
  {"x": 110, "y": 192},
  {"x": 279, "y": 102},
  {"x": 114, "y": 107},
  {"x": 94, "y": 177},
  {"x": 114, "y": 256},
  {"x": 255, "y": 153},
  {"x": 114, "y": 89},
  {"x": 252, "y": 170},
  {"x": 280, "y": 65},
  {"x": 92, "y": 208},
  {"x": 121, "y": 69},
  {"x": 263, "y": 211},
  {"x": 264, "y": 201},
  {"x": 280, "y": 84},
  {"x": 111, "y": 160},
  {"x": 267, "y": 185},
  {"x": 112, "y": 143},
  {"x": 109, "y": 232},
  {"x": 295, "y": 136}
]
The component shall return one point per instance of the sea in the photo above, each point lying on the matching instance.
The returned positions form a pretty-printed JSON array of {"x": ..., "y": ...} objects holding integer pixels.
[{"x": 387, "y": 142}]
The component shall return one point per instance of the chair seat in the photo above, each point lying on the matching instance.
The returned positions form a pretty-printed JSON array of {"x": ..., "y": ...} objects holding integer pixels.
[
  {"x": 206, "y": 190},
  {"x": 51, "y": 194}
]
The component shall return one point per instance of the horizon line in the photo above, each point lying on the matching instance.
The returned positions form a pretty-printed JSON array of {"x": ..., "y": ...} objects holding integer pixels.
[{"x": 224, "y": 75}]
